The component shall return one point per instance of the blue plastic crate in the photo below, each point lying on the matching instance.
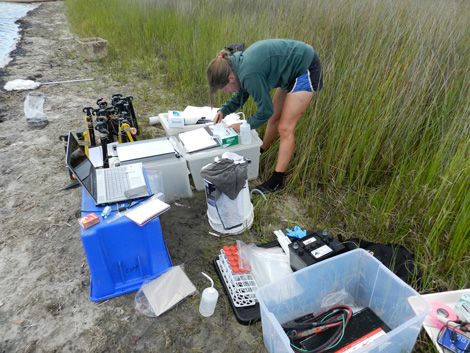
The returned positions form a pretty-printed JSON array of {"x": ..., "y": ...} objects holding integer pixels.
[{"x": 121, "y": 255}]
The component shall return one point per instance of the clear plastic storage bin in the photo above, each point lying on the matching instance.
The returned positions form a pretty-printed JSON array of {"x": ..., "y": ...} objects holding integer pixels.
[
  {"x": 197, "y": 160},
  {"x": 367, "y": 280}
]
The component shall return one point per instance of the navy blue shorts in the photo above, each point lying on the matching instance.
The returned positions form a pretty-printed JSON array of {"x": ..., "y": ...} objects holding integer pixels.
[{"x": 311, "y": 80}]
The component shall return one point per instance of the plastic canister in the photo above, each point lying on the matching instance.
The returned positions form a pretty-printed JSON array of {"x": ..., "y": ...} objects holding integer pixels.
[
  {"x": 208, "y": 299},
  {"x": 245, "y": 133}
]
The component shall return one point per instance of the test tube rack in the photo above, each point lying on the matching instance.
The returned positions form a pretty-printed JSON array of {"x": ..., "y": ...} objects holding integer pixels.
[{"x": 240, "y": 285}]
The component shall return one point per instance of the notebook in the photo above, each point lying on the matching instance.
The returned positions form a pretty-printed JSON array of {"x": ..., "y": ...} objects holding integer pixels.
[{"x": 108, "y": 185}]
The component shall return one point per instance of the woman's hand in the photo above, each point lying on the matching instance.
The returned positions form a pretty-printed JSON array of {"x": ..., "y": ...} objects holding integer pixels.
[
  {"x": 236, "y": 127},
  {"x": 218, "y": 117}
]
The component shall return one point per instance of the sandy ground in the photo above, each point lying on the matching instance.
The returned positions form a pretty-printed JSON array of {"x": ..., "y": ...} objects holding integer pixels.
[{"x": 45, "y": 282}]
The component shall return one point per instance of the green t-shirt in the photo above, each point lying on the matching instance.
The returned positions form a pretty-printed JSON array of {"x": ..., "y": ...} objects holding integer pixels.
[{"x": 265, "y": 65}]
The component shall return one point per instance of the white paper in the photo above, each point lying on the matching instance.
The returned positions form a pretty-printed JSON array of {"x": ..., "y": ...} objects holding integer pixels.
[
  {"x": 193, "y": 114},
  {"x": 147, "y": 211},
  {"x": 197, "y": 140},
  {"x": 232, "y": 119},
  {"x": 96, "y": 156},
  {"x": 168, "y": 290},
  {"x": 144, "y": 149}
]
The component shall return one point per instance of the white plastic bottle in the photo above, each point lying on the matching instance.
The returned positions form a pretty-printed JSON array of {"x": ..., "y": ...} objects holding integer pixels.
[
  {"x": 245, "y": 133},
  {"x": 208, "y": 299}
]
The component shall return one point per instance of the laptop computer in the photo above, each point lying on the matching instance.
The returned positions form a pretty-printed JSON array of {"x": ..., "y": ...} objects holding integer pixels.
[{"x": 108, "y": 185}]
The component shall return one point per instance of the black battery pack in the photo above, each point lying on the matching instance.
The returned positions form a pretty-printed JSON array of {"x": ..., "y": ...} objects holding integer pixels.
[
  {"x": 364, "y": 325},
  {"x": 313, "y": 248}
]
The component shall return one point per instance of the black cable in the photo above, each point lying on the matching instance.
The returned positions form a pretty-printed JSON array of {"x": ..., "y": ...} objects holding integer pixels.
[
  {"x": 336, "y": 317},
  {"x": 453, "y": 335}
]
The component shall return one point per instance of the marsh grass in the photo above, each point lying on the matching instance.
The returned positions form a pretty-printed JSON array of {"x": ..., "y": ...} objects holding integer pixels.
[{"x": 383, "y": 150}]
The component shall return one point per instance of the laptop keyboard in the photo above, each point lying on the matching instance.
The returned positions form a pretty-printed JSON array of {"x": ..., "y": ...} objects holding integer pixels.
[{"x": 116, "y": 182}]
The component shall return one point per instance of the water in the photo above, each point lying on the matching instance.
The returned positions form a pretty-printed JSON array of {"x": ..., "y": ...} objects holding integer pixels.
[{"x": 9, "y": 14}]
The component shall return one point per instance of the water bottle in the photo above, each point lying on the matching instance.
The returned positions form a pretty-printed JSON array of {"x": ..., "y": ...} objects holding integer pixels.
[
  {"x": 245, "y": 133},
  {"x": 208, "y": 299}
]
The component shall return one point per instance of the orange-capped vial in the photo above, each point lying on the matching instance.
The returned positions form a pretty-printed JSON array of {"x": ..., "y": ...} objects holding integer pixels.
[
  {"x": 242, "y": 270},
  {"x": 230, "y": 258},
  {"x": 228, "y": 252},
  {"x": 233, "y": 263},
  {"x": 225, "y": 248},
  {"x": 233, "y": 248},
  {"x": 235, "y": 269}
]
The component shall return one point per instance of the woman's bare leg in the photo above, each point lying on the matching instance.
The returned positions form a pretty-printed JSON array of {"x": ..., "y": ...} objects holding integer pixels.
[
  {"x": 295, "y": 105},
  {"x": 271, "y": 131}
]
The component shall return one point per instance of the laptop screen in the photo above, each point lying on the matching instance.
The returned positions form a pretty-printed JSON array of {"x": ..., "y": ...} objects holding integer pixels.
[{"x": 80, "y": 165}]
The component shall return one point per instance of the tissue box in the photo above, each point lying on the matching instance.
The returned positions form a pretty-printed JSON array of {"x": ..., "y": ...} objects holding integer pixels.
[
  {"x": 226, "y": 137},
  {"x": 175, "y": 119},
  {"x": 463, "y": 307}
]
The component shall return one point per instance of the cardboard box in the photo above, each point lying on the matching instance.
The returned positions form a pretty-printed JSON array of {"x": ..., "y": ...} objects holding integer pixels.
[
  {"x": 88, "y": 220},
  {"x": 226, "y": 137},
  {"x": 175, "y": 120},
  {"x": 92, "y": 49}
]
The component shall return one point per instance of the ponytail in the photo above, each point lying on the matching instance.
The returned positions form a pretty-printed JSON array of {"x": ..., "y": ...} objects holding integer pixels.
[{"x": 217, "y": 72}]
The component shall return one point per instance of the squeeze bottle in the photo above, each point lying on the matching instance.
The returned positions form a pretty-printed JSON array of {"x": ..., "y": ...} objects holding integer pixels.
[
  {"x": 245, "y": 133},
  {"x": 208, "y": 299}
]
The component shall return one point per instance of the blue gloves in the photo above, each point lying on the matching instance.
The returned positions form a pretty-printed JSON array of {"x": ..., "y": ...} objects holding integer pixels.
[{"x": 296, "y": 233}]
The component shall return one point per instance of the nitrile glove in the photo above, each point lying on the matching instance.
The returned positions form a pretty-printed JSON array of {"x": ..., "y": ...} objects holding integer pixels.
[{"x": 296, "y": 233}]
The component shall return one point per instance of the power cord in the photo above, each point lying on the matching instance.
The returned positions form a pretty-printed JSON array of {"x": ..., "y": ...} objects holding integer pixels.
[
  {"x": 452, "y": 328},
  {"x": 336, "y": 317}
]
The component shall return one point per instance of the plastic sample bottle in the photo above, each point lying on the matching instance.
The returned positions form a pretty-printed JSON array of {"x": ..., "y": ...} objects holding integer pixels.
[
  {"x": 208, "y": 299},
  {"x": 245, "y": 133}
]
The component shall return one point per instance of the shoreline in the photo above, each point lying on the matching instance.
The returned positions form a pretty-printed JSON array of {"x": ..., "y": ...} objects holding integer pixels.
[
  {"x": 45, "y": 303},
  {"x": 8, "y": 57},
  {"x": 28, "y": 1}
]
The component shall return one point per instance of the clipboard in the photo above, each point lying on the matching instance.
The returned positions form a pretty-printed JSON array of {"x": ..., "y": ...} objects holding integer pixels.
[
  {"x": 147, "y": 211},
  {"x": 198, "y": 140}
]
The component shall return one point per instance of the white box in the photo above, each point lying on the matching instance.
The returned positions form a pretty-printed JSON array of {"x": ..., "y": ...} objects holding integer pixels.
[
  {"x": 197, "y": 160},
  {"x": 227, "y": 137},
  {"x": 175, "y": 177},
  {"x": 173, "y": 131},
  {"x": 174, "y": 171},
  {"x": 175, "y": 120}
]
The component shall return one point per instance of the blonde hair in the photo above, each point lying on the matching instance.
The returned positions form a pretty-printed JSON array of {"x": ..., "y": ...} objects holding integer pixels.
[{"x": 217, "y": 72}]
